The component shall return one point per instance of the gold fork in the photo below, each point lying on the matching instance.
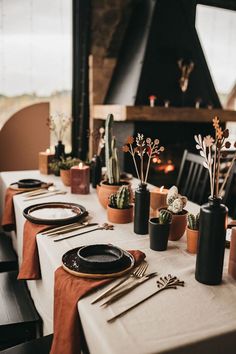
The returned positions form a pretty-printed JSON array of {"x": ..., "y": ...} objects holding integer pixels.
[{"x": 137, "y": 273}]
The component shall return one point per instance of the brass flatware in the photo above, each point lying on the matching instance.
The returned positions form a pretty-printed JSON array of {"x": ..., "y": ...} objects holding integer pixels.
[
  {"x": 54, "y": 230},
  {"x": 128, "y": 289},
  {"x": 164, "y": 283},
  {"x": 66, "y": 231},
  {"x": 101, "y": 227},
  {"x": 138, "y": 272},
  {"x": 45, "y": 195}
]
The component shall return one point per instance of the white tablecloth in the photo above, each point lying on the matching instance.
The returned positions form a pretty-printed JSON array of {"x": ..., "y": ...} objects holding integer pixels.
[{"x": 197, "y": 316}]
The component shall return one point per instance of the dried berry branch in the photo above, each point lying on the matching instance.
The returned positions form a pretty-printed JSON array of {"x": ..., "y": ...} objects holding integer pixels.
[
  {"x": 58, "y": 123},
  {"x": 143, "y": 147}
]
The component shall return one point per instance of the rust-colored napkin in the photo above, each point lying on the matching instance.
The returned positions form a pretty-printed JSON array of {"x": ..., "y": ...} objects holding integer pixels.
[
  {"x": 30, "y": 267},
  {"x": 8, "y": 219},
  {"x": 68, "y": 290}
]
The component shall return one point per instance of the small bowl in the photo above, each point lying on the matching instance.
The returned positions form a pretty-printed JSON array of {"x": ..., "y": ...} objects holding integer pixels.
[
  {"x": 100, "y": 256},
  {"x": 29, "y": 183}
]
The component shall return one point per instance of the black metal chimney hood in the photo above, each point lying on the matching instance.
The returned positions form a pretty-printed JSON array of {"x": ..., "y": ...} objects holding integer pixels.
[{"x": 159, "y": 34}]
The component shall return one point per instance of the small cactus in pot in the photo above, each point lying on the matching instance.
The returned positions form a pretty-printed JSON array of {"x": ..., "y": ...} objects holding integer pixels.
[
  {"x": 165, "y": 217},
  {"x": 119, "y": 210},
  {"x": 192, "y": 233},
  {"x": 112, "y": 181},
  {"x": 159, "y": 229},
  {"x": 193, "y": 221},
  {"x": 175, "y": 205}
]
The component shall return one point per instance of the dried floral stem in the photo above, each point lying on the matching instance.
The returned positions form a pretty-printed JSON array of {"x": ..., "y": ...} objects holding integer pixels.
[
  {"x": 227, "y": 175},
  {"x": 133, "y": 156}
]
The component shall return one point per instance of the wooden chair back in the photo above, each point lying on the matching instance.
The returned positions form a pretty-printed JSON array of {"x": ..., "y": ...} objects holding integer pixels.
[{"x": 193, "y": 178}]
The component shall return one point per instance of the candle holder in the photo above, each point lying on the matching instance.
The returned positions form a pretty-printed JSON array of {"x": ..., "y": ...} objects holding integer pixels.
[
  {"x": 45, "y": 158},
  {"x": 158, "y": 199},
  {"x": 80, "y": 179}
]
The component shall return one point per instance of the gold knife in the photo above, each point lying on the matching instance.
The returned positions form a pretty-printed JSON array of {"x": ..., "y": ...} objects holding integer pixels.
[{"x": 127, "y": 290}]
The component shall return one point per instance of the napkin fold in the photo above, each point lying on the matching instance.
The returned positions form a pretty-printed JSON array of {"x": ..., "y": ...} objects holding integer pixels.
[
  {"x": 68, "y": 290},
  {"x": 30, "y": 267},
  {"x": 8, "y": 219}
]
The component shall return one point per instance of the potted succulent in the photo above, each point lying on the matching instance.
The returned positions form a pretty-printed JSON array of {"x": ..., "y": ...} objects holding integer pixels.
[
  {"x": 176, "y": 204},
  {"x": 159, "y": 229},
  {"x": 112, "y": 181},
  {"x": 54, "y": 167},
  {"x": 65, "y": 165},
  {"x": 119, "y": 209},
  {"x": 192, "y": 233}
]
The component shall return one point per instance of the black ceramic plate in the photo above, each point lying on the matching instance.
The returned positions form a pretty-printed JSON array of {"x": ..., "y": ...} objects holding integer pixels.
[
  {"x": 71, "y": 263},
  {"x": 29, "y": 183},
  {"x": 54, "y": 213},
  {"x": 100, "y": 256}
]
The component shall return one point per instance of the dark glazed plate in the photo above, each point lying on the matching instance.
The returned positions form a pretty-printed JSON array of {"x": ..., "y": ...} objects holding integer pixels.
[
  {"x": 100, "y": 256},
  {"x": 71, "y": 263},
  {"x": 54, "y": 213},
  {"x": 29, "y": 183}
]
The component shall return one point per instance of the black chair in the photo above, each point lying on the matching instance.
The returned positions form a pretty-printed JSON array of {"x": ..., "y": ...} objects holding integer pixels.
[
  {"x": 229, "y": 198},
  {"x": 8, "y": 258},
  {"x": 193, "y": 178},
  {"x": 19, "y": 320},
  {"x": 38, "y": 346}
]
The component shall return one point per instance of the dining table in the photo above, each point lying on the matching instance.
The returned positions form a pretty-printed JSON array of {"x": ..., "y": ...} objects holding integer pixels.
[{"x": 196, "y": 318}]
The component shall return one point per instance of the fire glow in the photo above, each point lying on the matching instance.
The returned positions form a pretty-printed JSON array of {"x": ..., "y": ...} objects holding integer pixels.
[{"x": 162, "y": 166}]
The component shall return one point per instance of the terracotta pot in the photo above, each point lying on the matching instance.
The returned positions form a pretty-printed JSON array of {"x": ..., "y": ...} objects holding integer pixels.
[
  {"x": 192, "y": 240},
  {"x": 65, "y": 177},
  {"x": 178, "y": 226},
  {"x": 104, "y": 191},
  {"x": 120, "y": 216}
]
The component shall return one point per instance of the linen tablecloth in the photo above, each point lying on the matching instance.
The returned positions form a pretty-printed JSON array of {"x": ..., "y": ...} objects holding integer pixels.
[{"x": 197, "y": 317}]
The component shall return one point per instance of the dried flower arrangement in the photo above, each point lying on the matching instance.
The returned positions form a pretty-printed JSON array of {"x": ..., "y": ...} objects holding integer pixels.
[
  {"x": 175, "y": 201},
  {"x": 58, "y": 123},
  {"x": 144, "y": 147},
  {"x": 212, "y": 150}
]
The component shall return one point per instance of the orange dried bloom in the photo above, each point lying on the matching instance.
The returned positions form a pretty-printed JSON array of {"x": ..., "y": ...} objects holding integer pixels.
[
  {"x": 219, "y": 133},
  {"x": 216, "y": 122},
  {"x": 125, "y": 148},
  {"x": 129, "y": 140}
]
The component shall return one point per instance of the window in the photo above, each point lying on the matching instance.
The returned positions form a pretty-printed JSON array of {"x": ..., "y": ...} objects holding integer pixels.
[{"x": 35, "y": 56}]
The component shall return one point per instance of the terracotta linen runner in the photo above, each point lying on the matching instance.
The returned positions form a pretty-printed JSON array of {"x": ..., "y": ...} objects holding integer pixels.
[
  {"x": 68, "y": 290},
  {"x": 8, "y": 219},
  {"x": 30, "y": 267}
]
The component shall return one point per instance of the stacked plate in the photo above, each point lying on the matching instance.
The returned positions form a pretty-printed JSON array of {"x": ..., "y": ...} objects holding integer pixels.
[
  {"x": 54, "y": 213},
  {"x": 98, "y": 261}
]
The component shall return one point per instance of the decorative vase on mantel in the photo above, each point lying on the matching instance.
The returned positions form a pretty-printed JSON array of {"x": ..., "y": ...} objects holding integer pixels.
[
  {"x": 141, "y": 209},
  {"x": 59, "y": 150},
  {"x": 211, "y": 244}
]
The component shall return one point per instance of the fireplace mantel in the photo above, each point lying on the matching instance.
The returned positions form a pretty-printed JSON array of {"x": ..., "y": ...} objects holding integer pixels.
[{"x": 171, "y": 114}]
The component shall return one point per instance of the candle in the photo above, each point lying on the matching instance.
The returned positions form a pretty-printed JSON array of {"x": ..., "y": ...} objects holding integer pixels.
[
  {"x": 232, "y": 254},
  {"x": 80, "y": 179},
  {"x": 158, "y": 198}
]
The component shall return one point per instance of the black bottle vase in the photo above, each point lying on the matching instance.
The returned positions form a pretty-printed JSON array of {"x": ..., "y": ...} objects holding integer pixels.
[
  {"x": 141, "y": 209},
  {"x": 211, "y": 244},
  {"x": 96, "y": 171},
  {"x": 59, "y": 150}
]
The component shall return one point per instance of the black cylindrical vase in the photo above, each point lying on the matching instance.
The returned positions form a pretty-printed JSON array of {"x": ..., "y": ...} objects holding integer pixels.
[
  {"x": 158, "y": 234},
  {"x": 59, "y": 150},
  {"x": 211, "y": 244},
  {"x": 96, "y": 171},
  {"x": 141, "y": 209}
]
